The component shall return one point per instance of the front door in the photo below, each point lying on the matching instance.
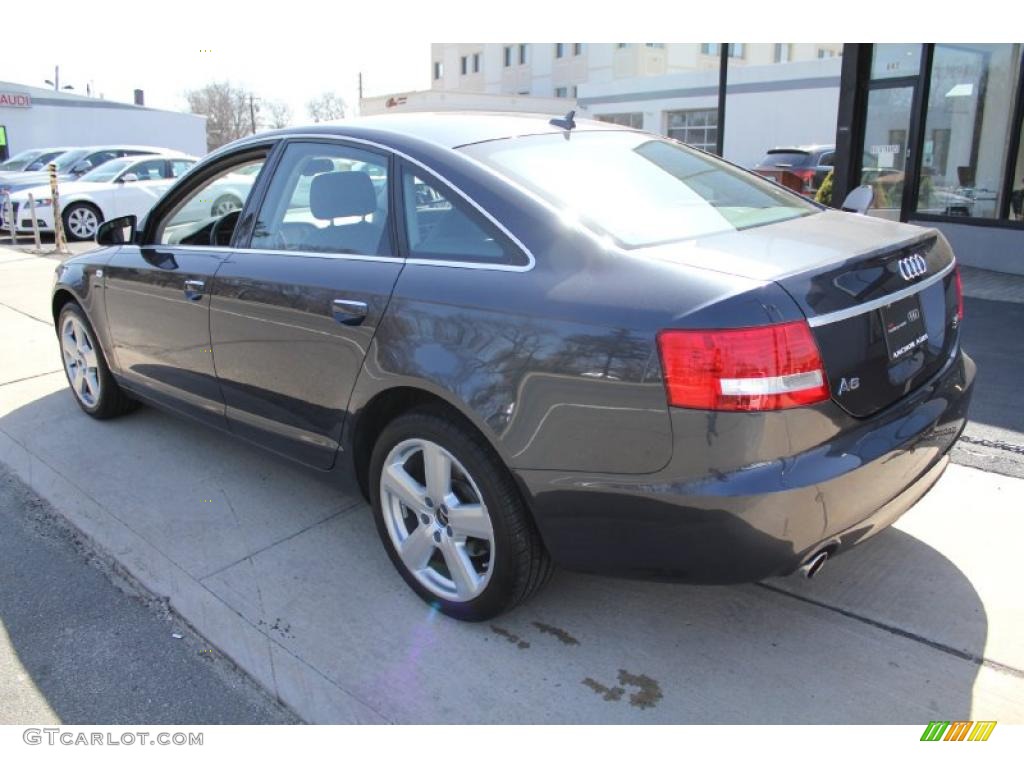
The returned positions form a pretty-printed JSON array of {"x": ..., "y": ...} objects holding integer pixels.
[
  {"x": 294, "y": 310},
  {"x": 158, "y": 303}
]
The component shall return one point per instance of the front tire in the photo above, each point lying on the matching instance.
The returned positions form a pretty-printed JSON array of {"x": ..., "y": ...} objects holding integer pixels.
[
  {"x": 82, "y": 221},
  {"x": 92, "y": 384},
  {"x": 451, "y": 517}
]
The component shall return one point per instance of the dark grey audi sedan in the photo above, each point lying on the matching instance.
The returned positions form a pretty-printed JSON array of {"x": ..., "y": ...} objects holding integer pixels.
[{"x": 534, "y": 343}]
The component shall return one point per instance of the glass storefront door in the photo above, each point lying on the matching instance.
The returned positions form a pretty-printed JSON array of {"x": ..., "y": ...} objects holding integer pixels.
[{"x": 886, "y": 143}]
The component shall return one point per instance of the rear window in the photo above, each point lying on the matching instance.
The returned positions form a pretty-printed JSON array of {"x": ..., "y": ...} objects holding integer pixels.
[
  {"x": 637, "y": 189},
  {"x": 787, "y": 159}
]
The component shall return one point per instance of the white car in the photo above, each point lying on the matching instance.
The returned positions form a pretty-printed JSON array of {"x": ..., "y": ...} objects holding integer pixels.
[{"x": 121, "y": 187}]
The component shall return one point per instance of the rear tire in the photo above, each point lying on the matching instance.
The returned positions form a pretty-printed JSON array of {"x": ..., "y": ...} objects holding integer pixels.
[
  {"x": 92, "y": 385},
  {"x": 479, "y": 525}
]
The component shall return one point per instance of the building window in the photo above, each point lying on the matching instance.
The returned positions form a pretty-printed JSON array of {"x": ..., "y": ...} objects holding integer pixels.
[
  {"x": 562, "y": 92},
  {"x": 508, "y": 55},
  {"x": 655, "y": 45},
  {"x": 783, "y": 52},
  {"x": 736, "y": 50},
  {"x": 628, "y": 119},
  {"x": 577, "y": 49},
  {"x": 559, "y": 50},
  {"x": 438, "y": 70},
  {"x": 465, "y": 65},
  {"x": 574, "y": 91},
  {"x": 826, "y": 53},
  {"x": 968, "y": 127},
  {"x": 522, "y": 53},
  {"x": 476, "y": 62},
  {"x": 621, "y": 45},
  {"x": 696, "y": 127}
]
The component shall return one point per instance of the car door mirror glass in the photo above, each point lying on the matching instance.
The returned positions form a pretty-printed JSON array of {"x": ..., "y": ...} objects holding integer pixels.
[
  {"x": 117, "y": 231},
  {"x": 859, "y": 200}
]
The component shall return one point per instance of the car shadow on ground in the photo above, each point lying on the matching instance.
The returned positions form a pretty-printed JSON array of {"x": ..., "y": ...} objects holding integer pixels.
[{"x": 890, "y": 632}]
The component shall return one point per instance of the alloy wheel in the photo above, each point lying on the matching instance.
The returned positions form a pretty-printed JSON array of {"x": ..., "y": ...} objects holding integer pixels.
[
  {"x": 80, "y": 361},
  {"x": 83, "y": 222},
  {"x": 437, "y": 520}
]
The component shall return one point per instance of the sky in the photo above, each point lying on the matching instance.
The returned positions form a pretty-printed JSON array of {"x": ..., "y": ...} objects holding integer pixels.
[{"x": 282, "y": 67}]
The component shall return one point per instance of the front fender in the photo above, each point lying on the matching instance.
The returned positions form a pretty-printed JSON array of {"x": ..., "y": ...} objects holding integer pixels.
[{"x": 81, "y": 279}]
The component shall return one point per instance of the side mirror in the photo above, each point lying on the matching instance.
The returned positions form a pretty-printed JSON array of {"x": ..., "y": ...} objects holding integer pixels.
[
  {"x": 859, "y": 200},
  {"x": 129, "y": 177},
  {"x": 79, "y": 168},
  {"x": 117, "y": 231}
]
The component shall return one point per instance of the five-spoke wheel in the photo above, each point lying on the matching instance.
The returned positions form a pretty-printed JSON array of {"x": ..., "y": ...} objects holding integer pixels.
[
  {"x": 451, "y": 516},
  {"x": 80, "y": 361}
]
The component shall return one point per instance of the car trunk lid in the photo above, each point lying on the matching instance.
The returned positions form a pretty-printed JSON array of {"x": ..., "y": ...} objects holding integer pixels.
[{"x": 880, "y": 296}]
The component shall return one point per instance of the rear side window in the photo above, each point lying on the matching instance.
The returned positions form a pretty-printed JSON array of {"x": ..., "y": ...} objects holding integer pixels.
[{"x": 440, "y": 225}]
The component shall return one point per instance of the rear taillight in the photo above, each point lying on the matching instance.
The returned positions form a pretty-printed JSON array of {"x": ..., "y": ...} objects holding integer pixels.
[
  {"x": 959, "y": 283},
  {"x": 806, "y": 180},
  {"x": 743, "y": 369}
]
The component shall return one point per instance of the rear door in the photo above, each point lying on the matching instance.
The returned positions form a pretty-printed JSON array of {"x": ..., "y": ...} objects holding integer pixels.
[{"x": 296, "y": 304}]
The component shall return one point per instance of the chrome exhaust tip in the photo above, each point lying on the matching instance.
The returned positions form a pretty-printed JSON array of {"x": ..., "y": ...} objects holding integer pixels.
[{"x": 812, "y": 566}]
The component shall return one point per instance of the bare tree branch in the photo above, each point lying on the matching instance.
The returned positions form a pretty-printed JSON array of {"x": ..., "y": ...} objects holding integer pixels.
[
  {"x": 326, "y": 106},
  {"x": 227, "y": 112}
]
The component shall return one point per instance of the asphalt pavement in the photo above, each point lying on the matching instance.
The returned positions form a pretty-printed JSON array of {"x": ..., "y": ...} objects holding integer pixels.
[{"x": 80, "y": 644}]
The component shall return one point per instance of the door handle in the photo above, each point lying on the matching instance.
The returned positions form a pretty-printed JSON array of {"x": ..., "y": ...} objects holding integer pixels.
[
  {"x": 349, "y": 312},
  {"x": 194, "y": 289}
]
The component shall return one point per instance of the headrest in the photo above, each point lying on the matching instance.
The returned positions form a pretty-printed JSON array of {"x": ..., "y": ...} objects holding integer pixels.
[
  {"x": 342, "y": 193},
  {"x": 317, "y": 165}
]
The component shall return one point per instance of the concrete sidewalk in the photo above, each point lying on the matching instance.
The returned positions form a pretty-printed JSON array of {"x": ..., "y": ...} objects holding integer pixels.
[{"x": 285, "y": 575}]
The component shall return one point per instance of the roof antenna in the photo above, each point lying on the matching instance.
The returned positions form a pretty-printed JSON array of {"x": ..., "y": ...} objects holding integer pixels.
[{"x": 565, "y": 123}]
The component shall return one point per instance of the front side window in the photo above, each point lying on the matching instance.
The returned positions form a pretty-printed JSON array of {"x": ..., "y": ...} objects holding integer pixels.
[
  {"x": 440, "y": 225},
  {"x": 149, "y": 170},
  {"x": 638, "y": 190},
  {"x": 192, "y": 220},
  {"x": 326, "y": 198}
]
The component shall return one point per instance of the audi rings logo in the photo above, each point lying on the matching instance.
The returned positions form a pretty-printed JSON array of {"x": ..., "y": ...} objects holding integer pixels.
[{"x": 913, "y": 266}]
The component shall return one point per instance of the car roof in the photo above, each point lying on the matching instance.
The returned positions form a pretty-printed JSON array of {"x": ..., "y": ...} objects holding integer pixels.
[{"x": 450, "y": 129}]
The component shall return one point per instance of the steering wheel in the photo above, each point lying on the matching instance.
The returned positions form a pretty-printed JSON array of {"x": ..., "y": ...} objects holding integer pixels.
[{"x": 223, "y": 228}]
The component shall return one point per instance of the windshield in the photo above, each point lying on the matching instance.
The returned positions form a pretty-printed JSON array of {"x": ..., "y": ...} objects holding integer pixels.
[
  {"x": 108, "y": 170},
  {"x": 69, "y": 158},
  {"x": 19, "y": 161},
  {"x": 638, "y": 189}
]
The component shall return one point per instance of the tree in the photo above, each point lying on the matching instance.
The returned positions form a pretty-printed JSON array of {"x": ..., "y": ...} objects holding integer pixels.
[
  {"x": 279, "y": 114},
  {"x": 227, "y": 112},
  {"x": 326, "y": 106}
]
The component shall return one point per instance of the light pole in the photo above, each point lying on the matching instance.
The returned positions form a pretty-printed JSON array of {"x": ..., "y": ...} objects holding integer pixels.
[{"x": 56, "y": 80}]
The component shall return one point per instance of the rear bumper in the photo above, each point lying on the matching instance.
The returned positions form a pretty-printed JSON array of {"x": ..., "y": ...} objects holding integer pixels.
[{"x": 748, "y": 496}]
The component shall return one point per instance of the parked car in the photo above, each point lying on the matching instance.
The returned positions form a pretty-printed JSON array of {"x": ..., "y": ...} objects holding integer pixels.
[
  {"x": 121, "y": 187},
  {"x": 703, "y": 377},
  {"x": 73, "y": 164},
  {"x": 801, "y": 169},
  {"x": 31, "y": 159}
]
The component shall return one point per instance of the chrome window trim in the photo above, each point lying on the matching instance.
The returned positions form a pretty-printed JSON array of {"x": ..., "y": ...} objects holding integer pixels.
[
  {"x": 531, "y": 260},
  {"x": 882, "y": 301}
]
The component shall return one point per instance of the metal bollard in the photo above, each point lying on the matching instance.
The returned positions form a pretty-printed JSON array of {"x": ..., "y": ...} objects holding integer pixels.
[
  {"x": 59, "y": 243},
  {"x": 35, "y": 221},
  {"x": 7, "y": 214}
]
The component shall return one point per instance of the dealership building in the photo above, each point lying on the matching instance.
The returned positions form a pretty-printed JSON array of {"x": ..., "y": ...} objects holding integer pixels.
[{"x": 38, "y": 117}]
